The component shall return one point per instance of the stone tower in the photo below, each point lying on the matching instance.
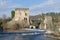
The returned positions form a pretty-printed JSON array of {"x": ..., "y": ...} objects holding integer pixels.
[
  {"x": 21, "y": 14},
  {"x": 21, "y": 17},
  {"x": 48, "y": 22}
]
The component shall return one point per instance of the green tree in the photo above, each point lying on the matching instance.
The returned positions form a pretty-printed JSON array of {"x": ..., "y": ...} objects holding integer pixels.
[
  {"x": 1, "y": 25},
  {"x": 12, "y": 14}
]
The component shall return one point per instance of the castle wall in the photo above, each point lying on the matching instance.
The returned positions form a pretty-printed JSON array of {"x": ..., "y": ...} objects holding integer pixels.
[{"x": 22, "y": 14}]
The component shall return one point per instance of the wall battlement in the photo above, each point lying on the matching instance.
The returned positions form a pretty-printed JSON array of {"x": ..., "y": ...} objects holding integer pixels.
[{"x": 22, "y": 9}]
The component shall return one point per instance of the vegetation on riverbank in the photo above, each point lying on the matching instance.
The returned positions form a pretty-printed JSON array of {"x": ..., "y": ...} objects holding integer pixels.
[{"x": 53, "y": 35}]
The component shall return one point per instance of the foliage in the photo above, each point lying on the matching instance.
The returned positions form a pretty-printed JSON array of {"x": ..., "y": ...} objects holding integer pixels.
[
  {"x": 12, "y": 14},
  {"x": 1, "y": 27},
  {"x": 3, "y": 21}
]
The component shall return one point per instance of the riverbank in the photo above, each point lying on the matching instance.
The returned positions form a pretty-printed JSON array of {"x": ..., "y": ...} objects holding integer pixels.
[
  {"x": 20, "y": 30},
  {"x": 55, "y": 36},
  {"x": 24, "y": 30}
]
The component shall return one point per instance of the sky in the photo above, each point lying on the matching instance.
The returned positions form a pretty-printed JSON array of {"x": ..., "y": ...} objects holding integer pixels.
[{"x": 36, "y": 6}]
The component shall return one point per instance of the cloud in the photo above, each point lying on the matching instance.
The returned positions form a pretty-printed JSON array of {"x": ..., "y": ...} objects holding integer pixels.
[
  {"x": 2, "y": 3},
  {"x": 14, "y": 6},
  {"x": 47, "y": 6},
  {"x": 48, "y": 2},
  {"x": 6, "y": 6}
]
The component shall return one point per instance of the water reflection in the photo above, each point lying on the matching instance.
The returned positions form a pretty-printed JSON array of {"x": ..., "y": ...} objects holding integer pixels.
[{"x": 23, "y": 37}]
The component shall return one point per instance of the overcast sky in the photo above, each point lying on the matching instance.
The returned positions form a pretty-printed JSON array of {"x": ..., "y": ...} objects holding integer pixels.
[{"x": 36, "y": 6}]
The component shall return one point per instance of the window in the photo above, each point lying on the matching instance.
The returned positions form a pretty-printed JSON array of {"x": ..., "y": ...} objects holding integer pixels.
[
  {"x": 25, "y": 14},
  {"x": 25, "y": 19}
]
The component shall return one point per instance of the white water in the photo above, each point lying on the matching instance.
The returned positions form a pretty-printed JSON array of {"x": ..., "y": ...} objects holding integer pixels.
[
  {"x": 30, "y": 33},
  {"x": 33, "y": 32},
  {"x": 34, "y": 29}
]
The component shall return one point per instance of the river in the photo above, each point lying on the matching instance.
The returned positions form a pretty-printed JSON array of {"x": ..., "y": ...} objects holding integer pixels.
[{"x": 23, "y": 37}]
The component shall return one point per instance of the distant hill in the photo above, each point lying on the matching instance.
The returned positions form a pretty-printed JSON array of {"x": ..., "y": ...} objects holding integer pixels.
[{"x": 53, "y": 14}]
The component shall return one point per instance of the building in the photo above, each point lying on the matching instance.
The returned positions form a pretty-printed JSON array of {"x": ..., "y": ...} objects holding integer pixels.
[
  {"x": 21, "y": 14},
  {"x": 48, "y": 22},
  {"x": 20, "y": 19}
]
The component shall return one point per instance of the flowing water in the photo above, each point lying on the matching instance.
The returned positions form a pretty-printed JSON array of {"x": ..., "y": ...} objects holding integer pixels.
[{"x": 24, "y": 36}]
